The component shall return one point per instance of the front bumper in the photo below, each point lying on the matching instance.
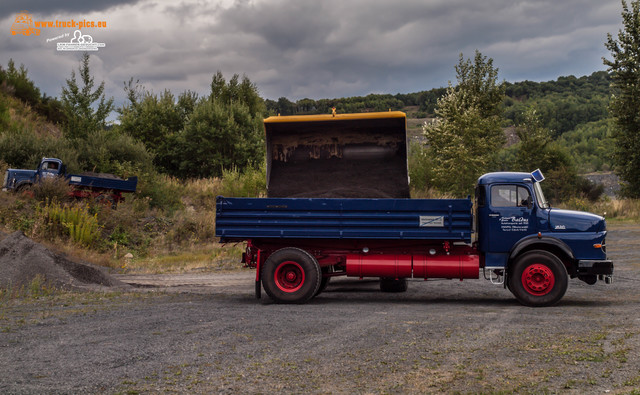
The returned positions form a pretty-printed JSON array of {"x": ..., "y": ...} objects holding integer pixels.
[{"x": 592, "y": 267}]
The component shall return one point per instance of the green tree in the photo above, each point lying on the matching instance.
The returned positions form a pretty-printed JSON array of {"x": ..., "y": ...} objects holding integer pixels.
[
  {"x": 464, "y": 140},
  {"x": 625, "y": 70},
  {"x": 156, "y": 121},
  {"x": 537, "y": 150},
  {"x": 223, "y": 132},
  {"x": 219, "y": 137},
  {"x": 236, "y": 92},
  {"x": 86, "y": 110},
  {"x": 286, "y": 107}
]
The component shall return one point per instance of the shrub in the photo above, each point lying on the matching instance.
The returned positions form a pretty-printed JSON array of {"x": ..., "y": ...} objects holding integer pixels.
[
  {"x": 249, "y": 183},
  {"x": 419, "y": 167},
  {"x": 190, "y": 227},
  {"x": 201, "y": 193},
  {"x": 52, "y": 189},
  {"x": 160, "y": 191},
  {"x": 73, "y": 221},
  {"x": 106, "y": 151}
]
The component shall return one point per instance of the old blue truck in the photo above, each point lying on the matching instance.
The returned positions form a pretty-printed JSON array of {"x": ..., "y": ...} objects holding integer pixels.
[
  {"x": 106, "y": 187},
  {"x": 511, "y": 234}
]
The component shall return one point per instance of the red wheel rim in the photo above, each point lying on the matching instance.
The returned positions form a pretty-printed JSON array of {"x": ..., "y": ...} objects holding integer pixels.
[
  {"x": 289, "y": 276},
  {"x": 538, "y": 279}
]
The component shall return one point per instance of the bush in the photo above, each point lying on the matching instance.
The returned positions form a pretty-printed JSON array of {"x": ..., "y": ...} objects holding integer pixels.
[
  {"x": 201, "y": 193},
  {"x": 5, "y": 118},
  {"x": 249, "y": 183},
  {"x": 621, "y": 209},
  {"x": 190, "y": 227},
  {"x": 160, "y": 191},
  {"x": 75, "y": 222},
  {"x": 106, "y": 151},
  {"x": 52, "y": 189},
  {"x": 590, "y": 189},
  {"x": 419, "y": 167}
]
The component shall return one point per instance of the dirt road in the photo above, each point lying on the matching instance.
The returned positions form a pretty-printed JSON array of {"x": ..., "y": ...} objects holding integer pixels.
[{"x": 208, "y": 334}]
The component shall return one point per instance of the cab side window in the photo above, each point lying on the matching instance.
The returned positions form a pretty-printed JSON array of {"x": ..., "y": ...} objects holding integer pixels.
[
  {"x": 509, "y": 196},
  {"x": 50, "y": 166}
]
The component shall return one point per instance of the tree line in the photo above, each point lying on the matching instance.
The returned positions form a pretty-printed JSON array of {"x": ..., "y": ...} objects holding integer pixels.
[{"x": 188, "y": 135}]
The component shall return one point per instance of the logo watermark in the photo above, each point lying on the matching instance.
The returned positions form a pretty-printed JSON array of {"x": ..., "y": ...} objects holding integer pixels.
[
  {"x": 23, "y": 24},
  {"x": 80, "y": 42}
]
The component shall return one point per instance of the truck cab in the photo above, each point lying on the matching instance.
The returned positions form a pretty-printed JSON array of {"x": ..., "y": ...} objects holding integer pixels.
[
  {"x": 50, "y": 167},
  {"x": 514, "y": 219},
  {"x": 19, "y": 179}
]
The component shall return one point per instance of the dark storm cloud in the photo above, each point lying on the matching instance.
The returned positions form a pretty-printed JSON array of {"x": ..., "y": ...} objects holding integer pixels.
[
  {"x": 329, "y": 48},
  {"x": 47, "y": 7},
  {"x": 358, "y": 47}
]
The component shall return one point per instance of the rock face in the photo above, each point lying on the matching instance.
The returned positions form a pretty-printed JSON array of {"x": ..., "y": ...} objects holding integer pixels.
[
  {"x": 22, "y": 259},
  {"x": 609, "y": 180}
]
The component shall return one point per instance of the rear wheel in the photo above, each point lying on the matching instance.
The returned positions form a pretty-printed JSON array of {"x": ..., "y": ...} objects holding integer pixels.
[
  {"x": 24, "y": 187},
  {"x": 393, "y": 285},
  {"x": 323, "y": 285},
  {"x": 538, "y": 278},
  {"x": 25, "y": 190},
  {"x": 291, "y": 275},
  {"x": 106, "y": 200}
]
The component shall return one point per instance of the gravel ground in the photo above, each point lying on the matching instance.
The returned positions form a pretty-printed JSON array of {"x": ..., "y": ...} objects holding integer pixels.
[{"x": 208, "y": 334}]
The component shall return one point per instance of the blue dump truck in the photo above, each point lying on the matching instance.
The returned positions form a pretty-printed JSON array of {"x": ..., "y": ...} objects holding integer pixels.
[
  {"x": 100, "y": 186},
  {"x": 511, "y": 234}
]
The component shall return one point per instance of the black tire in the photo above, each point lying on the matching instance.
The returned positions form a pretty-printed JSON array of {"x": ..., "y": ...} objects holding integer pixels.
[
  {"x": 323, "y": 285},
  {"x": 538, "y": 278},
  {"x": 393, "y": 285},
  {"x": 106, "y": 200},
  {"x": 24, "y": 188},
  {"x": 291, "y": 275}
]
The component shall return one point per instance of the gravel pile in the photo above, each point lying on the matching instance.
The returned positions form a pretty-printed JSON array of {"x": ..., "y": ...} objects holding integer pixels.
[{"x": 22, "y": 259}]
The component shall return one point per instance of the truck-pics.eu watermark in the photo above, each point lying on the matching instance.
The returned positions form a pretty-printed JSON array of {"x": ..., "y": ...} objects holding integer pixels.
[{"x": 25, "y": 25}]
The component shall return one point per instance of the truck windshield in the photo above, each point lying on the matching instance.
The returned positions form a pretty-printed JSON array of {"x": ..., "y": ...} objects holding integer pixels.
[{"x": 542, "y": 202}]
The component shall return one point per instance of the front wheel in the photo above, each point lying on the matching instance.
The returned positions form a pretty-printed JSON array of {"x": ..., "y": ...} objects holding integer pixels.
[
  {"x": 538, "y": 278},
  {"x": 291, "y": 275}
]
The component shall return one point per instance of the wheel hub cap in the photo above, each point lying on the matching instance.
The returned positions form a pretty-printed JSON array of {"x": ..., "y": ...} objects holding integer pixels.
[
  {"x": 538, "y": 279},
  {"x": 289, "y": 276}
]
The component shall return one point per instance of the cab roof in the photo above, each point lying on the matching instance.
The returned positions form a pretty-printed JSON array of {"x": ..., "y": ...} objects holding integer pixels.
[{"x": 504, "y": 177}]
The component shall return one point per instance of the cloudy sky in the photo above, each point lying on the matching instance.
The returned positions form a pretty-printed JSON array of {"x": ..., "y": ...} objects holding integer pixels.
[{"x": 311, "y": 48}]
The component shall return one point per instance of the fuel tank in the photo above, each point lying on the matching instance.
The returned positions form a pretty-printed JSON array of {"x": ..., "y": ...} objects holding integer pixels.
[{"x": 416, "y": 266}]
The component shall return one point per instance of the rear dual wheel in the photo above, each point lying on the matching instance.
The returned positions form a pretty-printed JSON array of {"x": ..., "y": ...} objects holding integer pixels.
[
  {"x": 291, "y": 275},
  {"x": 538, "y": 278}
]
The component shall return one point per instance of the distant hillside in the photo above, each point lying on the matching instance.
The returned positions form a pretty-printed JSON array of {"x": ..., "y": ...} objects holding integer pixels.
[{"x": 573, "y": 108}]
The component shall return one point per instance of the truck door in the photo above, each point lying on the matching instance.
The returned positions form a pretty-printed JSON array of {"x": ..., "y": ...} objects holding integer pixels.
[
  {"x": 49, "y": 168},
  {"x": 509, "y": 216}
]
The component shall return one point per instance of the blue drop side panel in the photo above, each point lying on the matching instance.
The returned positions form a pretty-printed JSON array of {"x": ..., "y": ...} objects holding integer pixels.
[
  {"x": 128, "y": 185},
  {"x": 251, "y": 218}
]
